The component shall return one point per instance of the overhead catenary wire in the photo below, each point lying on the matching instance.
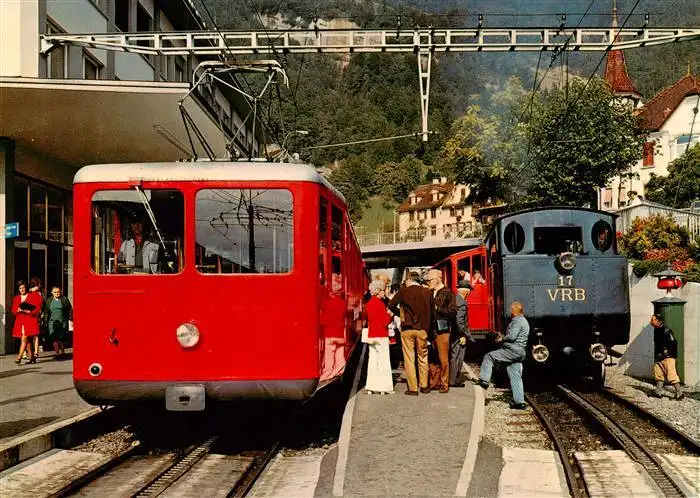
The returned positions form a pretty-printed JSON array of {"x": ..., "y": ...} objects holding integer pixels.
[{"x": 367, "y": 141}]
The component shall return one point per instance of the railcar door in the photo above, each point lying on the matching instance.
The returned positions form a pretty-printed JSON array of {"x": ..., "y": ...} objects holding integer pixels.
[{"x": 471, "y": 267}]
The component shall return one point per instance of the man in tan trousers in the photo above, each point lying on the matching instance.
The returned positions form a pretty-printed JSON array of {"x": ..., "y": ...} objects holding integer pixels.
[{"x": 416, "y": 307}]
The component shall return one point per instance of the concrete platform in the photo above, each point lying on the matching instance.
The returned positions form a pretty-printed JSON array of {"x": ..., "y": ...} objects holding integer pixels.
[{"x": 32, "y": 396}]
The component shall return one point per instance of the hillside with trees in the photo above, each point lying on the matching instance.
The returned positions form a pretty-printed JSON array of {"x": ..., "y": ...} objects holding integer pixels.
[{"x": 489, "y": 128}]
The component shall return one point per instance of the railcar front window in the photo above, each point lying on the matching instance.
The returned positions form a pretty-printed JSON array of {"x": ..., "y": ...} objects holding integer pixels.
[
  {"x": 137, "y": 232},
  {"x": 244, "y": 231},
  {"x": 556, "y": 240}
]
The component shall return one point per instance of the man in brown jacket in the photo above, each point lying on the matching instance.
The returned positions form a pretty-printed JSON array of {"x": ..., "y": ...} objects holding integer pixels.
[
  {"x": 445, "y": 312},
  {"x": 416, "y": 303}
]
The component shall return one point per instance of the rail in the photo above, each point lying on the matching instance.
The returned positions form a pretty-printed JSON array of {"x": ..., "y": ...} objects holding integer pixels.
[
  {"x": 630, "y": 443},
  {"x": 419, "y": 234}
]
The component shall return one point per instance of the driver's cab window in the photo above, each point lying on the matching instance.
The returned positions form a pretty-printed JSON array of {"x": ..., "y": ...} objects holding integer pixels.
[
  {"x": 137, "y": 231},
  {"x": 478, "y": 275},
  {"x": 464, "y": 269}
]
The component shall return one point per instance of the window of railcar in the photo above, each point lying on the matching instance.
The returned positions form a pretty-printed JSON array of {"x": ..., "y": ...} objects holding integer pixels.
[
  {"x": 337, "y": 237},
  {"x": 244, "y": 231},
  {"x": 514, "y": 237},
  {"x": 322, "y": 240},
  {"x": 555, "y": 240},
  {"x": 464, "y": 268},
  {"x": 602, "y": 235},
  {"x": 137, "y": 232}
]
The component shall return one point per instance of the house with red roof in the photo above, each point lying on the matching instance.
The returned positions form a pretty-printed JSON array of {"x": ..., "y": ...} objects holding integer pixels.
[
  {"x": 438, "y": 210},
  {"x": 671, "y": 120}
]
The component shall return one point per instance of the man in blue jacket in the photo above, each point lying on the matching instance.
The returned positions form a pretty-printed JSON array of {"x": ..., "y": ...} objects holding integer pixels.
[{"x": 511, "y": 355}]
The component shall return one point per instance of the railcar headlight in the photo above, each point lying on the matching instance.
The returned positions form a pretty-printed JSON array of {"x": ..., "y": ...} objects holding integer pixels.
[
  {"x": 95, "y": 369},
  {"x": 187, "y": 335},
  {"x": 598, "y": 351},
  {"x": 567, "y": 260},
  {"x": 540, "y": 353}
]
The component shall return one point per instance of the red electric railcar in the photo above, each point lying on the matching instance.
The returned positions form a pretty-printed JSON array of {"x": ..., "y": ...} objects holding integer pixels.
[{"x": 211, "y": 280}]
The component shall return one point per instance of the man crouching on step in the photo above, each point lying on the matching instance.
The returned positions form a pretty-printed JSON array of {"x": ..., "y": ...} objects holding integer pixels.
[
  {"x": 665, "y": 354},
  {"x": 511, "y": 355}
]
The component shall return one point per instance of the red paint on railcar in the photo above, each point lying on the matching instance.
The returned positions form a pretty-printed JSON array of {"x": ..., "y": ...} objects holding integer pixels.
[
  {"x": 480, "y": 299},
  {"x": 268, "y": 329}
]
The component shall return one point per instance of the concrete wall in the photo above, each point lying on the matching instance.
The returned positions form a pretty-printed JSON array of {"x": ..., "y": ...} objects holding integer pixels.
[
  {"x": 19, "y": 25},
  {"x": 638, "y": 357}
]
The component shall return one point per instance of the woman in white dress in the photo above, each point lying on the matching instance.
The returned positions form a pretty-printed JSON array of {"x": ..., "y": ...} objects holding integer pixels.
[{"x": 379, "y": 378}]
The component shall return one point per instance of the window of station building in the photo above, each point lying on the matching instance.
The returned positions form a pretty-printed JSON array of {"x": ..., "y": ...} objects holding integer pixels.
[
  {"x": 56, "y": 58},
  {"x": 555, "y": 240},
  {"x": 37, "y": 212},
  {"x": 179, "y": 66},
  {"x": 137, "y": 231},
  {"x": 602, "y": 235},
  {"x": 55, "y": 215},
  {"x": 411, "y": 216},
  {"x": 433, "y": 230},
  {"x": 244, "y": 231},
  {"x": 433, "y": 212},
  {"x": 121, "y": 14},
  {"x": 514, "y": 237},
  {"x": 144, "y": 22},
  {"x": 91, "y": 68}
]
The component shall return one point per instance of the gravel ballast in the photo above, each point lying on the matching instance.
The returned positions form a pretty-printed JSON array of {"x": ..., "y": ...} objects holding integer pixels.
[{"x": 683, "y": 414}]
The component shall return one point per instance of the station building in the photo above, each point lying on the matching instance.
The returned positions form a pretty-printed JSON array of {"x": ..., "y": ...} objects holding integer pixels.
[{"x": 76, "y": 106}]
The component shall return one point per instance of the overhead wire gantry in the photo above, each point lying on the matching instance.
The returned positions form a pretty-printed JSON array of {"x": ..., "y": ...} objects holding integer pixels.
[{"x": 423, "y": 42}]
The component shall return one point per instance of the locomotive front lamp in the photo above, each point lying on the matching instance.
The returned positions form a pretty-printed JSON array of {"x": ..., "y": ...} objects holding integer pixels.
[
  {"x": 188, "y": 335},
  {"x": 567, "y": 261},
  {"x": 598, "y": 351},
  {"x": 668, "y": 280},
  {"x": 540, "y": 353}
]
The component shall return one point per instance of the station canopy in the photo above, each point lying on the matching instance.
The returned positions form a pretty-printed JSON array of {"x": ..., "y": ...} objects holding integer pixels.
[{"x": 82, "y": 122}]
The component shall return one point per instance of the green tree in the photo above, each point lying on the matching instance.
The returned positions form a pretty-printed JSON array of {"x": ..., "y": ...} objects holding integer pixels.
[
  {"x": 579, "y": 138},
  {"x": 682, "y": 185},
  {"x": 485, "y": 145},
  {"x": 394, "y": 181}
]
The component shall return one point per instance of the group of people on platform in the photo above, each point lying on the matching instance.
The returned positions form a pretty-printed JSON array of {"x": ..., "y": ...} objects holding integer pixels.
[
  {"x": 433, "y": 333},
  {"x": 36, "y": 316}
]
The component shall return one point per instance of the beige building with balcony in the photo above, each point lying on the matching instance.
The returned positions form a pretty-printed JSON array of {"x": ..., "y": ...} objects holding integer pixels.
[{"x": 438, "y": 211}]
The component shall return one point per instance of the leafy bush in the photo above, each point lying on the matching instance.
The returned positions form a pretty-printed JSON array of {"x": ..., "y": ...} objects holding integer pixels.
[
  {"x": 649, "y": 266},
  {"x": 655, "y": 232},
  {"x": 656, "y": 242}
]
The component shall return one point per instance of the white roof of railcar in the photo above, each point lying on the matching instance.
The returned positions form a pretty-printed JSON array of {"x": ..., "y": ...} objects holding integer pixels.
[{"x": 202, "y": 171}]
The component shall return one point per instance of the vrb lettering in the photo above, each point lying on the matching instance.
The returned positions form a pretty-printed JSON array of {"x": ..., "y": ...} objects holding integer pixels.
[{"x": 567, "y": 294}]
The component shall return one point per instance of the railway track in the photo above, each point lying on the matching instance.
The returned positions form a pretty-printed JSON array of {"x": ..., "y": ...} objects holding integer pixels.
[
  {"x": 207, "y": 467},
  {"x": 582, "y": 422}
]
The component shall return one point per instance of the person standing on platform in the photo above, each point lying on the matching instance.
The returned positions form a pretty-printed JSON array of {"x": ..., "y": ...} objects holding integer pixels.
[
  {"x": 665, "y": 354},
  {"x": 379, "y": 378},
  {"x": 416, "y": 303},
  {"x": 511, "y": 355},
  {"x": 26, "y": 307},
  {"x": 36, "y": 287},
  {"x": 460, "y": 333},
  {"x": 445, "y": 313},
  {"x": 58, "y": 311}
]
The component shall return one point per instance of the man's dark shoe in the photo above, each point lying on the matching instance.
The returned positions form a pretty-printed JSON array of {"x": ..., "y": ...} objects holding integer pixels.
[
  {"x": 411, "y": 393},
  {"x": 481, "y": 383},
  {"x": 518, "y": 406},
  {"x": 425, "y": 390},
  {"x": 444, "y": 390},
  {"x": 460, "y": 384}
]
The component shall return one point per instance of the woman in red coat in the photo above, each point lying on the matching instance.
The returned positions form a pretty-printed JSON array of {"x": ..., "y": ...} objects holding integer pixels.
[
  {"x": 26, "y": 306},
  {"x": 379, "y": 379}
]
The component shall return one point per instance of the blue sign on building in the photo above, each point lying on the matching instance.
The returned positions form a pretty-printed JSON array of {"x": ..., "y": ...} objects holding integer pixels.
[{"x": 12, "y": 230}]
